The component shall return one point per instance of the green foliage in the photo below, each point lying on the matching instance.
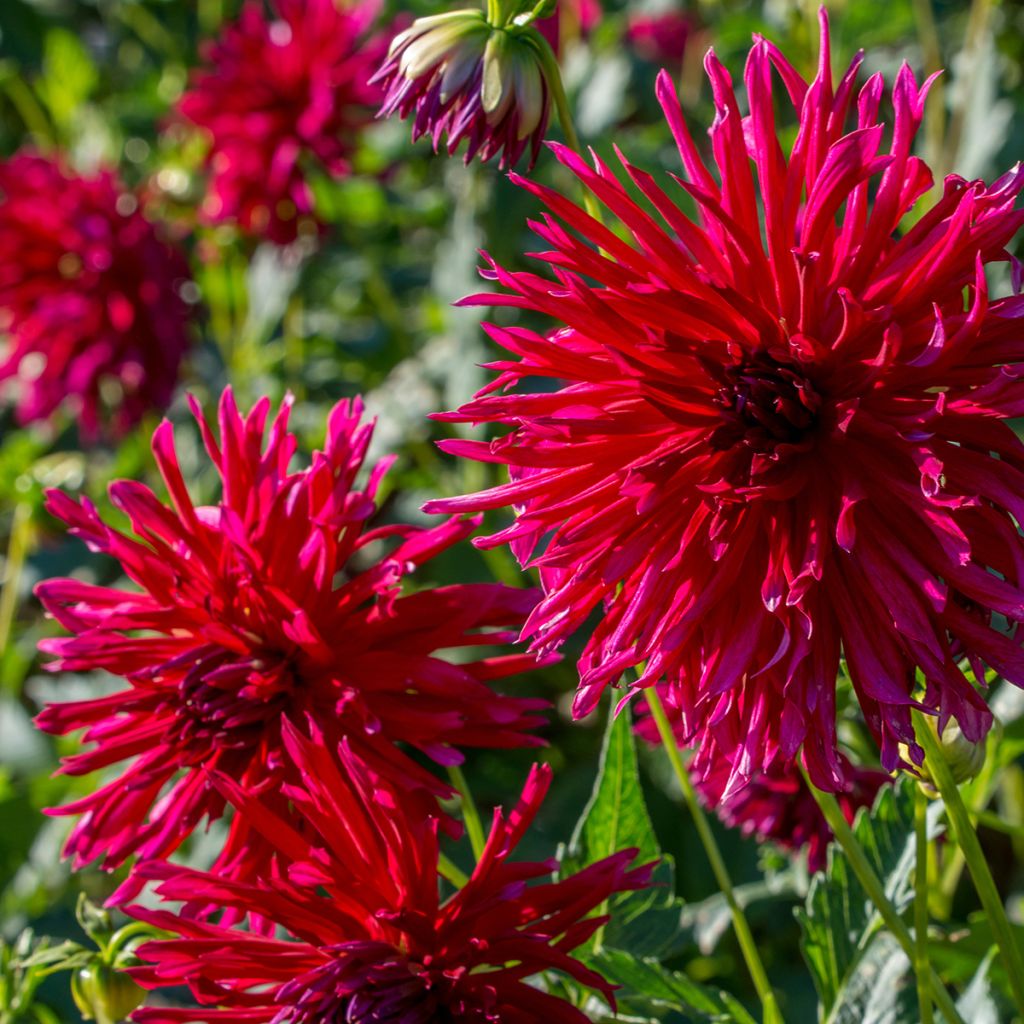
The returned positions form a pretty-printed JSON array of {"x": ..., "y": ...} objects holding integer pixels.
[
  {"x": 616, "y": 818},
  {"x": 651, "y": 992},
  {"x": 859, "y": 970}
]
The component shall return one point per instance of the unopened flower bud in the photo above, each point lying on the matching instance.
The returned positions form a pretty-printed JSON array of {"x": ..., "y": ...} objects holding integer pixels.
[
  {"x": 964, "y": 758},
  {"x": 465, "y": 78},
  {"x": 104, "y": 993}
]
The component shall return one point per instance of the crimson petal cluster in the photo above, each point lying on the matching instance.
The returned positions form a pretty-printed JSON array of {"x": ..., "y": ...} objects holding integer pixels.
[
  {"x": 281, "y": 95},
  {"x": 356, "y": 891},
  {"x": 90, "y": 298},
  {"x": 276, "y": 605},
  {"x": 778, "y": 435}
]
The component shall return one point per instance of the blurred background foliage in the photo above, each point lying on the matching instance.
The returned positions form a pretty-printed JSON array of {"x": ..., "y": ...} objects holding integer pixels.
[{"x": 367, "y": 309}]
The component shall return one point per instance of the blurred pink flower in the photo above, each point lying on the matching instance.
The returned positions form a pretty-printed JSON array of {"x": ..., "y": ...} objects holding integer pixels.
[
  {"x": 281, "y": 96},
  {"x": 276, "y": 605},
  {"x": 356, "y": 893},
  {"x": 90, "y": 298},
  {"x": 580, "y": 16},
  {"x": 660, "y": 38},
  {"x": 774, "y": 435}
]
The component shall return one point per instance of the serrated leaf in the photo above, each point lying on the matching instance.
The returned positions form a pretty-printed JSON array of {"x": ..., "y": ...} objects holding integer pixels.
[
  {"x": 980, "y": 1002},
  {"x": 616, "y": 818},
  {"x": 840, "y": 925},
  {"x": 652, "y": 991}
]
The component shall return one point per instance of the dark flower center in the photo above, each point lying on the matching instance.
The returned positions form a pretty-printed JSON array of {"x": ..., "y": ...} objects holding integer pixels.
[
  {"x": 370, "y": 983},
  {"x": 226, "y": 702},
  {"x": 764, "y": 404}
]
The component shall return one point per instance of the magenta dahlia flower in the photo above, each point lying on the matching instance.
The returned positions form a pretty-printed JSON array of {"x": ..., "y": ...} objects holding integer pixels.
[
  {"x": 660, "y": 38},
  {"x": 368, "y": 938},
  {"x": 464, "y": 79},
  {"x": 279, "y": 95},
  {"x": 90, "y": 302},
  {"x": 776, "y": 434},
  {"x": 778, "y": 807},
  {"x": 275, "y": 605}
]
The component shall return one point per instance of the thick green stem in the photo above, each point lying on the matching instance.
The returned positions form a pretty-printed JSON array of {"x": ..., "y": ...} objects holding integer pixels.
[
  {"x": 873, "y": 886},
  {"x": 772, "y": 1014},
  {"x": 921, "y": 965},
  {"x": 17, "y": 551},
  {"x": 470, "y": 815},
  {"x": 455, "y": 875},
  {"x": 553, "y": 75},
  {"x": 974, "y": 856}
]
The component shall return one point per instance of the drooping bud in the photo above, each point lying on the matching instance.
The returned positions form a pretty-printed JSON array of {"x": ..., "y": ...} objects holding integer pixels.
[
  {"x": 964, "y": 758},
  {"x": 466, "y": 78}
]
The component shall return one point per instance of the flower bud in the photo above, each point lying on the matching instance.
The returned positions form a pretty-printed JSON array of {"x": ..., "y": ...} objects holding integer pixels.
[
  {"x": 964, "y": 758},
  {"x": 103, "y": 993},
  {"x": 468, "y": 79}
]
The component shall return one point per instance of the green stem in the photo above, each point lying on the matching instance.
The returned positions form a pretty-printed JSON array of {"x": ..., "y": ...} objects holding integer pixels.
[
  {"x": 924, "y": 994},
  {"x": 873, "y": 886},
  {"x": 772, "y": 1014},
  {"x": 967, "y": 840},
  {"x": 470, "y": 815},
  {"x": 446, "y": 869},
  {"x": 17, "y": 551},
  {"x": 553, "y": 74}
]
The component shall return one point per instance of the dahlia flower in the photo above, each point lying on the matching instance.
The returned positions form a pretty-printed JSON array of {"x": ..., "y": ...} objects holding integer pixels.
[
  {"x": 660, "y": 38},
  {"x": 463, "y": 78},
  {"x": 778, "y": 807},
  {"x": 275, "y": 605},
  {"x": 279, "y": 96},
  {"x": 581, "y": 17},
  {"x": 89, "y": 298},
  {"x": 368, "y": 938},
  {"x": 775, "y": 435}
]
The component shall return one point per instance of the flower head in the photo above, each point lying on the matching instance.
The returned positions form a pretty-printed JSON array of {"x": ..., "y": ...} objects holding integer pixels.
[
  {"x": 660, "y": 37},
  {"x": 89, "y": 298},
  {"x": 775, "y": 440},
  {"x": 463, "y": 78},
  {"x": 275, "y": 605},
  {"x": 278, "y": 96},
  {"x": 370, "y": 941}
]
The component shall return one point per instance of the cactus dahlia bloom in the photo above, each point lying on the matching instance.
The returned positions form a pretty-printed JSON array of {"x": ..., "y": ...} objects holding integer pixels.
[
  {"x": 463, "y": 78},
  {"x": 90, "y": 307},
  {"x": 778, "y": 807},
  {"x": 368, "y": 938},
  {"x": 275, "y": 605},
  {"x": 278, "y": 96},
  {"x": 778, "y": 435}
]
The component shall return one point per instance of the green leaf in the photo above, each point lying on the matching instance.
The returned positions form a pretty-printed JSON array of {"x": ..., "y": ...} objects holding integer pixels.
[
  {"x": 652, "y": 991},
  {"x": 616, "y": 818},
  {"x": 981, "y": 1002},
  {"x": 848, "y": 955},
  {"x": 69, "y": 76}
]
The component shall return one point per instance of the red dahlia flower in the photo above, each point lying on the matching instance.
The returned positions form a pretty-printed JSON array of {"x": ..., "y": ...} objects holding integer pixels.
[
  {"x": 661, "y": 37},
  {"x": 274, "y": 605},
  {"x": 778, "y": 806},
  {"x": 357, "y": 892},
  {"x": 776, "y": 440},
  {"x": 463, "y": 78},
  {"x": 280, "y": 95},
  {"x": 89, "y": 298}
]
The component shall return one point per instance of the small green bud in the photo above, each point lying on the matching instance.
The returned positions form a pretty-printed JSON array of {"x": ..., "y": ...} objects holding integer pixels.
[{"x": 104, "y": 993}]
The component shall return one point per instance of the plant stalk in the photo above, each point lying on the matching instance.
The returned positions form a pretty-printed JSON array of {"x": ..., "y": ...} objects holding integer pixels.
[
  {"x": 921, "y": 963},
  {"x": 769, "y": 1003},
  {"x": 872, "y": 884},
  {"x": 470, "y": 814},
  {"x": 977, "y": 866}
]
